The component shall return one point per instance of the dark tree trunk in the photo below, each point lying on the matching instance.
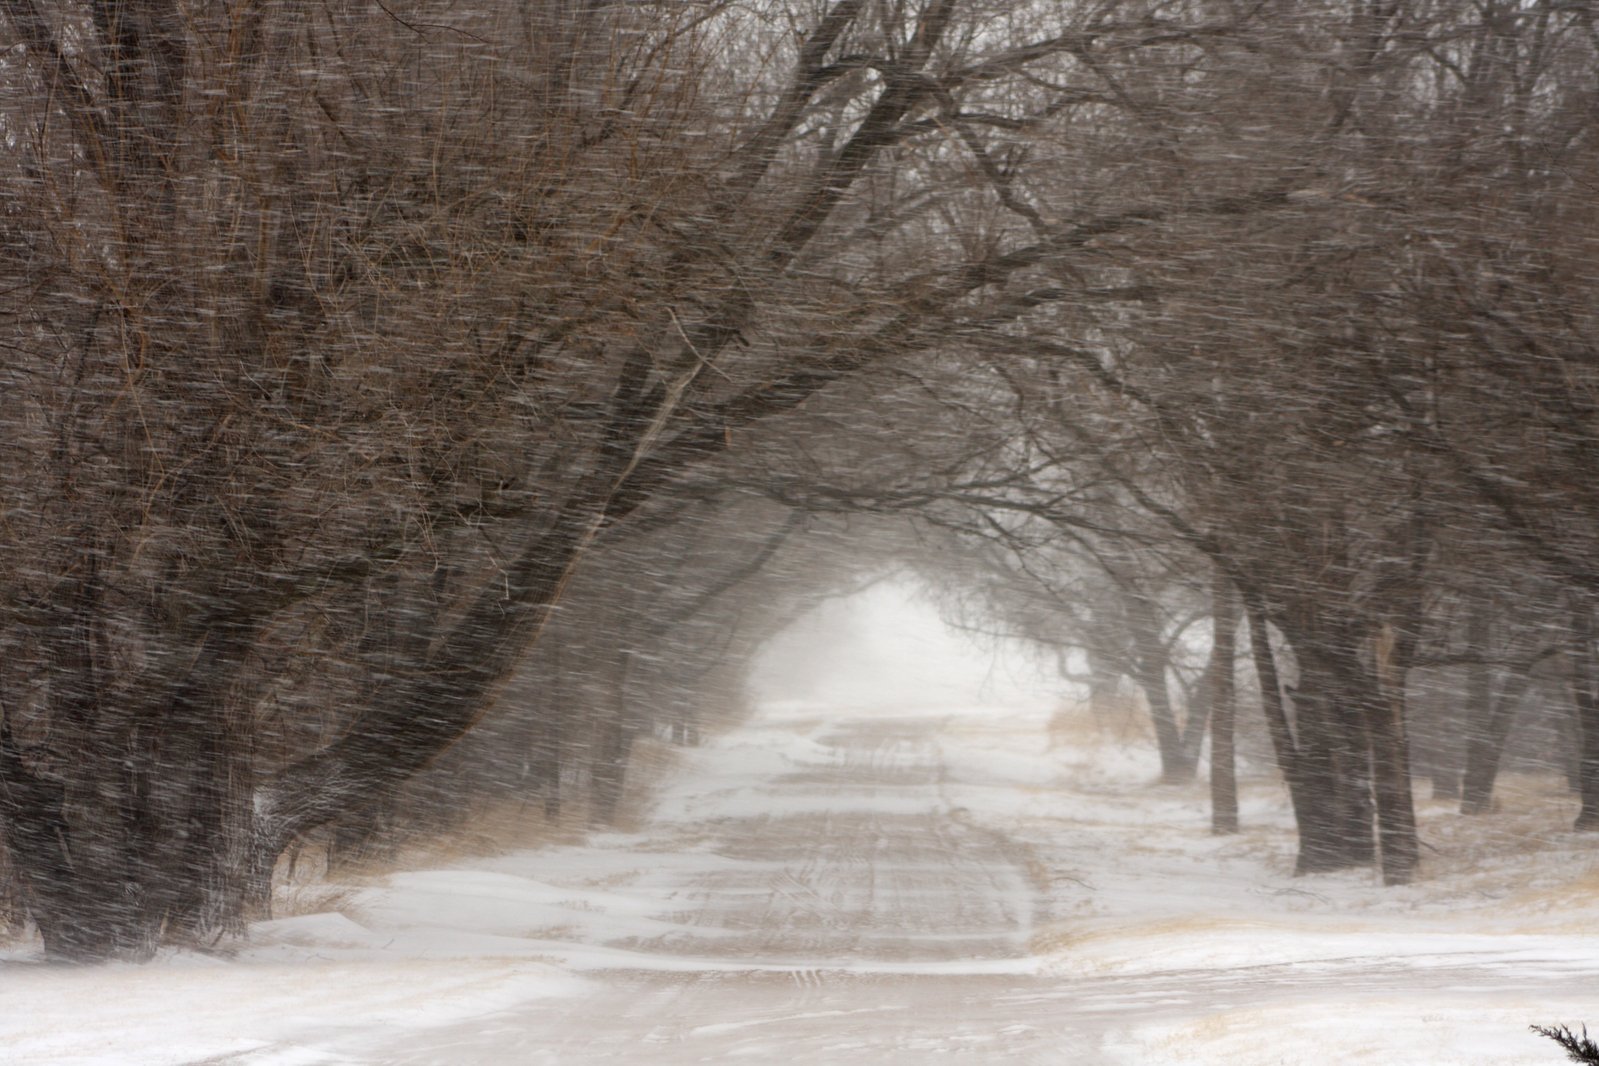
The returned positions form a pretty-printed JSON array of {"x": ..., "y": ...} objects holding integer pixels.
[
  {"x": 548, "y": 740},
  {"x": 1322, "y": 755},
  {"x": 1223, "y": 771},
  {"x": 144, "y": 843},
  {"x": 1283, "y": 745},
  {"x": 1103, "y": 681},
  {"x": 1337, "y": 833},
  {"x": 1485, "y": 743},
  {"x": 1304, "y": 755},
  {"x": 1352, "y": 761},
  {"x": 423, "y": 714},
  {"x": 547, "y": 760},
  {"x": 1482, "y": 755},
  {"x": 1197, "y": 722},
  {"x": 129, "y": 821},
  {"x": 608, "y": 775},
  {"x": 1393, "y": 638},
  {"x": 1585, "y": 696},
  {"x": 33, "y": 816},
  {"x": 1570, "y": 732},
  {"x": 1151, "y": 664},
  {"x": 1335, "y": 763},
  {"x": 1398, "y": 849}
]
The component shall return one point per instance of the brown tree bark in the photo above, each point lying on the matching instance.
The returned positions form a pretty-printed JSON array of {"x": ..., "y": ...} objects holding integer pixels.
[
  {"x": 1492, "y": 714},
  {"x": 1398, "y": 849},
  {"x": 1304, "y": 756},
  {"x": 1334, "y": 754},
  {"x": 1151, "y": 662},
  {"x": 1585, "y": 696},
  {"x": 1223, "y": 768}
]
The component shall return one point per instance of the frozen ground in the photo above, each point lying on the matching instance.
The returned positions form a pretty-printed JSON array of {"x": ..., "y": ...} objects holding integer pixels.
[{"x": 828, "y": 885}]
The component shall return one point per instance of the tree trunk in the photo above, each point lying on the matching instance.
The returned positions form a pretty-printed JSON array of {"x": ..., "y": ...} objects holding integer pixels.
[
  {"x": 1353, "y": 773},
  {"x": 1151, "y": 664},
  {"x": 1223, "y": 771},
  {"x": 1197, "y": 721},
  {"x": 424, "y": 713},
  {"x": 1482, "y": 758},
  {"x": 145, "y": 842},
  {"x": 1585, "y": 695},
  {"x": 547, "y": 760},
  {"x": 1305, "y": 759},
  {"x": 1485, "y": 744},
  {"x": 1271, "y": 705},
  {"x": 1335, "y": 762},
  {"x": 1398, "y": 848},
  {"x": 608, "y": 774},
  {"x": 129, "y": 822},
  {"x": 1336, "y": 834},
  {"x": 1103, "y": 681}
]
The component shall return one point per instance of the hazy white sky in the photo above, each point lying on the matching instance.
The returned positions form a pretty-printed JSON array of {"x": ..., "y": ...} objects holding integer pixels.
[{"x": 886, "y": 646}]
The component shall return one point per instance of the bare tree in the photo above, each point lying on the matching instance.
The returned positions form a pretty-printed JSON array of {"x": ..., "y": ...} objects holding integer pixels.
[{"x": 327, "y": 314}]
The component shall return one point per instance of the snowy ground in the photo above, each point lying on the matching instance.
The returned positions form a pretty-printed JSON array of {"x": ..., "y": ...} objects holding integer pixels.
[{"x": 828, "y": 885}]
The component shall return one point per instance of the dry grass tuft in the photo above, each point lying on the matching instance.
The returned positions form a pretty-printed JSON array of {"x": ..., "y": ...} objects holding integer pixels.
[{"x": 306, "y": 883}]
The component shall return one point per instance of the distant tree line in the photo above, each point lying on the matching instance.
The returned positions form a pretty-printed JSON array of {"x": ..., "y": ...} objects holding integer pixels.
[{"x": 361, "y": 360}]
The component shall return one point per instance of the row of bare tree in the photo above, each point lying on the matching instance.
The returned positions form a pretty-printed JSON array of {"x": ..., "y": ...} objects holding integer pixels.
[
  {"x": 1330, "y": 332},
  {"x": 338, "y": 335}
]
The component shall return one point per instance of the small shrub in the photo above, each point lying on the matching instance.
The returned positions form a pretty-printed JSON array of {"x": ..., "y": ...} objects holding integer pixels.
[{"x": 1578, "y": 1048}]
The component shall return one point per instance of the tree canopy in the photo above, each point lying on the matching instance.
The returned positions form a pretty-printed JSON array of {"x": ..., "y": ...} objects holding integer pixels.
[{"x": 363, "y": 358}]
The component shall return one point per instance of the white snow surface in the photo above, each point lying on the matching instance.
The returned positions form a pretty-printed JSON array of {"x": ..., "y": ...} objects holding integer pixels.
[{"x": 875, "y": 884}]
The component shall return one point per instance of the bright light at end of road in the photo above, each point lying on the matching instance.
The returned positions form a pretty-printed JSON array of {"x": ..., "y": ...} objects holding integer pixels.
[{"x": 886, "y": 648}]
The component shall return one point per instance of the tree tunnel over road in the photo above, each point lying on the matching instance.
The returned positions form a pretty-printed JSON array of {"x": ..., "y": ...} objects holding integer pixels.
[{"x": 868, "y": 882}]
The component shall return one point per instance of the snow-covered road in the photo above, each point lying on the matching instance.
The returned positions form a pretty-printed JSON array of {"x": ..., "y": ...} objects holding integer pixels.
[
  {"x": 854, "y": 911},
  {"x": 847, "y": 912},
  {"x": 875, "y": 869},
  {"x": 870, "y": 888}
]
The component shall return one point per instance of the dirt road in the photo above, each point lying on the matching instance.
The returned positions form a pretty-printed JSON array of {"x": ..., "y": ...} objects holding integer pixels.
[
  {"x": 826, "y": 887},
  {"x": 848, "y": 912},
  {"x": 862, "y": 918}
]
